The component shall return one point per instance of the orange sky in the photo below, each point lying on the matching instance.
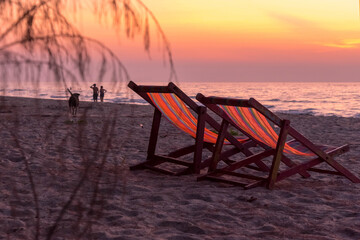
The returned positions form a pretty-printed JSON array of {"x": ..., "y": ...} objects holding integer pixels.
[{"x": 257, "y": 40}]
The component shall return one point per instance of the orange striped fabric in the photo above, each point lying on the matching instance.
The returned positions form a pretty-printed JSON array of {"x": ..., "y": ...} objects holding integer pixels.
[
  {"x": 257, "y": 126},
  {"x": 175, "y": 110}
]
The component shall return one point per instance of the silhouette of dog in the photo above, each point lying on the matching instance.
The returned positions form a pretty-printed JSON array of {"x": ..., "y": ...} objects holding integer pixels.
[{"x": 73, "y": 102}]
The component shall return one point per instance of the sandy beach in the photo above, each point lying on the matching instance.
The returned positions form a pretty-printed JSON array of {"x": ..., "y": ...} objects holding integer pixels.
[{"x": 67, "y": 178}]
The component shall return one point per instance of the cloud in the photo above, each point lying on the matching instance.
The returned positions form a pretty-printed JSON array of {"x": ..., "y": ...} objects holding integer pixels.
[
  {"x": 347, "y": 43},
  {"x": 311, "y": 28},
  {"x": 292, "y": 21}
]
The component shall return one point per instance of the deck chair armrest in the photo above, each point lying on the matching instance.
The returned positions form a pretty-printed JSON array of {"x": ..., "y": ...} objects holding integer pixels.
[
  {"x": 132, "y": 85},
  {"x": 223, "y": 101},
  {"x": 148, "y": 89}
]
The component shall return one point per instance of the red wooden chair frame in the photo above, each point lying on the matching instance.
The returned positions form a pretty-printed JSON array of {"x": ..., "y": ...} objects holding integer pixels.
[
  {"x": 320, "y": 155},
  {"x": 153, "y": 160}
]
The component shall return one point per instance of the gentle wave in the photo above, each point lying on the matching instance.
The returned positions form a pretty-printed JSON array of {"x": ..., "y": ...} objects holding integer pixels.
[
  {"x": 296, "y": 101},
  {"x": 56, "y": 97},
  {"x": 18, "y": 90}
]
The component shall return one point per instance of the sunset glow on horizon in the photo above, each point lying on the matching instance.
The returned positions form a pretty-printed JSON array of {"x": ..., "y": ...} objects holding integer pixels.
[{"x": 297, "y": 35}]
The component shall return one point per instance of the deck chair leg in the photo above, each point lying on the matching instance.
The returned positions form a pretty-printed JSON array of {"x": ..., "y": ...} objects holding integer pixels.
[
  {"x": 199, "y": 140},
  {"x": 278, "y": 154},
  {"x": 150, "y": 161},
  {"x": 154, "y": 134},
  {"x": 138, "y": 166},
  {"x": 262, "y": 166},
  {"x": 248, "y": 160},
  {"x": 291, "y": 164},
  {"x": 182, "y": 151},
  {"x": 218, "y": 146}
]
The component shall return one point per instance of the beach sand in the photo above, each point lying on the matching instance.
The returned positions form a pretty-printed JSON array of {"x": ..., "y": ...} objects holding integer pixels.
[{"x": 67, "y": 178}]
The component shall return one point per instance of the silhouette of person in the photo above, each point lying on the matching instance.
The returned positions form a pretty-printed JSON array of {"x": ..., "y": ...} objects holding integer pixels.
[
  {"x": 102, "y": 93},
  {"x": 95, "y": 92}
]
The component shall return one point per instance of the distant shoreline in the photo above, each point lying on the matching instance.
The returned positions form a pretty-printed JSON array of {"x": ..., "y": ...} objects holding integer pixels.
[
  {"x": 62, "y": 99},
  {"x": 317, "y": 99},
  {"x": 146, "y": 104}
]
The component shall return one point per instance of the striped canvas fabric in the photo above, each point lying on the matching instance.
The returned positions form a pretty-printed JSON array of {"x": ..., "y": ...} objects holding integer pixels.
[
  {"x": 256, "y": 125},
  {"x": 175, "y": 110}
]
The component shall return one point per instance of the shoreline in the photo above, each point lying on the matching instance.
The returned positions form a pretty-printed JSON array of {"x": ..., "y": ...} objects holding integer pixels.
[
  {"x": 79, "y": 170},
  {"x": 280, "y": 113}
]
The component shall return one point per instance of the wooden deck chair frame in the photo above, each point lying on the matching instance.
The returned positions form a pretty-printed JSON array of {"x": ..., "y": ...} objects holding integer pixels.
[
  {"x": 275, "y": 175},
  {"x": 153, "y": 160}
]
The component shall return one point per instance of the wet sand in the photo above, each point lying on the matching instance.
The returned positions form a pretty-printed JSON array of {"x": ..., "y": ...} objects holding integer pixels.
[{"x": 67, "y": 178}]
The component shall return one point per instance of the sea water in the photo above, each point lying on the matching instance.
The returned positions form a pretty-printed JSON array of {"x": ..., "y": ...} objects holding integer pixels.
[{"x": 315, "y": 98}]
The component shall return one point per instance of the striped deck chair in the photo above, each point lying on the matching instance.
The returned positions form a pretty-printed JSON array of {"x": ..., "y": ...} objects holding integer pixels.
[
  {"x": 253, "y": 120},
  {"x": 169, "y": 101}
]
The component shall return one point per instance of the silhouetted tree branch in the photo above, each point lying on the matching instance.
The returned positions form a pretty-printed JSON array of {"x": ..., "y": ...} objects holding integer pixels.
[
  {"x": 39, "y": 30},
  {"x": 37, "y": 38}
]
